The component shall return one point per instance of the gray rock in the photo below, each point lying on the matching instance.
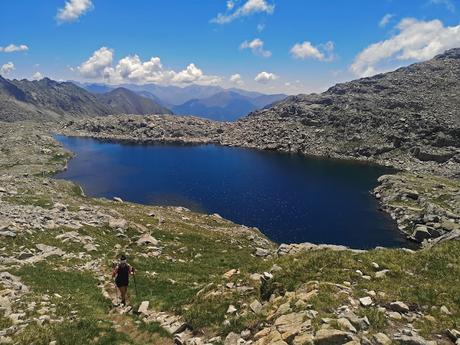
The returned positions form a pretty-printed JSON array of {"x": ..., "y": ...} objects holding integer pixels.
[
  {"x": 256, "y": 306},
  {"x": 399, "y": 307},
  {"x": 331, "y": 337},
  {"x": 381, "y": 339},
  {"x": 366, "y": 301}
]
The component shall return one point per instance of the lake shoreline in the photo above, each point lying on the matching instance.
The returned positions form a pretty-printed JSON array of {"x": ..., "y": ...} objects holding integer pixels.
[
  {"x": 410, "y": 219},
  {"x": 113, "y": 151}
]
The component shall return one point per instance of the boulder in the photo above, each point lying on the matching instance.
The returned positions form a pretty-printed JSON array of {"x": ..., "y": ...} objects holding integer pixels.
[
  {"x": 7, "y": 233},
  {"x": 272, "y": 338},
  {"x": 345, "y": 325},
  {"x": 303, "y": 339},
  {"x": 381, "y": 274},
  {"x": 115, "y": 223},
  {"x": 232, "y": 339},
  {"x": 261, "y": 252},
  {"x": 399, "y": 307},
  {"x": 331, "y": 337},
  {"x": 420, "y": 233},
  {"x": 147, "y": 239},
  {"x": 381, "y": 339},
  {"x": 366, "y": 301},
  {"x": 143, "y": 308},
  {"x": 256, "y": 306},
  {"x": 411, "y": 340},
  {"x": 231, "y": 309}
]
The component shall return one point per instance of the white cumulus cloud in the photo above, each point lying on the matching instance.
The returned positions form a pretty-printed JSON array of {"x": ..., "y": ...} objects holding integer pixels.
[
  {"x": 132, "y": 69},
  {"x": 72, "y": 10},
  {"x": 236, "y": 79},
  {"x": 98, "y": 64},
  {"x": 306, "y": 50},
  {"x": 7, "y": 68},
  {"x": 416, "y": 40},
  {"x": 249, "y": 7},
  {"x": 37, "y": 76},
  {"x": 14, "y": 48},
  {"x": 385, "y": 19},
  {"x": 257, "y": 47},
  {"x": 265, "y": 77}
]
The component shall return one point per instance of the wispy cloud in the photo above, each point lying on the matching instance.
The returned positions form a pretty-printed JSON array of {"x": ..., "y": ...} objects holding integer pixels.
[
  {"x": 250, "y": 7},
  {"x": 14, "y": 48},
  {"x": 385, "y": 20},
  {"x": 447, "y": 3},
  {"x": 257, "y": 47}
]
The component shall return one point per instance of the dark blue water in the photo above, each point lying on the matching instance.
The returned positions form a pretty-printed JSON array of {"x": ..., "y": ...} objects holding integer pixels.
[{"x": 289, "y": 198}]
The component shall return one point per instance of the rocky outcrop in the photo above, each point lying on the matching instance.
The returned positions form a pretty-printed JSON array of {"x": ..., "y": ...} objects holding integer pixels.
[{"x": 425, "y": 207}]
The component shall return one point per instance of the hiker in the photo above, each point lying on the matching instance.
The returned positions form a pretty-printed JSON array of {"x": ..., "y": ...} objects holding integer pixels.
[{"x": 121, "y": 274}]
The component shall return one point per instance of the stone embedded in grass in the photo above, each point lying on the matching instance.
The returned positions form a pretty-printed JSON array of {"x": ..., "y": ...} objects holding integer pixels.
[
  {"x": 345, "y": 325},
  {"x": 231, "y": 309},
  {"x": 115, "y": 223},
  {"x": 147, "y": 239},
  {"x": 445, "y": 310},
  {"x": 331, "y": 337},
  {"x": 256, "y": 306},
  {"x": 366, "y": 301},
  {"x": 381, "y": 274},
  {"x": 143, "y": 308},
  {"x": 399, "y": 307},
  {"x": 231, "y": 273},
  {"x": 381, "y": 339}
]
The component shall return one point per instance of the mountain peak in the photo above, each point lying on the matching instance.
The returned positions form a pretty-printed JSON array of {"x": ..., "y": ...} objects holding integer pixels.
[{"x": 449, "y": 54}]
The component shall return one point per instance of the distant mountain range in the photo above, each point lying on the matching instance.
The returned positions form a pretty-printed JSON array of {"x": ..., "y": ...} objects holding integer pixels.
[
  {"x": 47, "y": 99},
  {"x": 213, "y": 102},
  {"x": 225, "y": 105}
]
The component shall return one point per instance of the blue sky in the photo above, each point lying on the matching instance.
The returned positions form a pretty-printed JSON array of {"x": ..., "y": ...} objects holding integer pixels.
[{"x": 287, "y": 46}]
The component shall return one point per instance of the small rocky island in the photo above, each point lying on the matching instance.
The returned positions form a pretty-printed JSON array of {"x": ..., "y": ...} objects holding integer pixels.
[{"x": 205, "y": 280}]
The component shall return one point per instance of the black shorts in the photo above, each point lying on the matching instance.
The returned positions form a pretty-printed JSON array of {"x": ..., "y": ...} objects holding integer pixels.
[{"x": 121, "y": 283}]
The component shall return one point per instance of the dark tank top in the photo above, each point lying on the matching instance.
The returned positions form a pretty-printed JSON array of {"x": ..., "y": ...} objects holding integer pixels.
[{"x": 122, "y": 278}]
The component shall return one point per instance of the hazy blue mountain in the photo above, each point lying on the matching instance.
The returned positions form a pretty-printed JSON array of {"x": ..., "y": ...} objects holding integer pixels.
[
  {"x": 175, "y": 95},
  {"x": 95, "y": 87},
  {"x": 213, "y": 102},
  {"x": 225, "y": 106},
  {"x": 124, "y": 101}
]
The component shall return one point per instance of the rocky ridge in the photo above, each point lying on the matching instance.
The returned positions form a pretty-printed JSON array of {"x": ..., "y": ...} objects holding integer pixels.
[{"x": 49, "y": 100}]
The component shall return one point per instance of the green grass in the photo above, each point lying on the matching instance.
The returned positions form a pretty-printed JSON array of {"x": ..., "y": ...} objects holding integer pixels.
[
  {"x": 4, "y": 322},
  {"x": 84, "y": 331},
  {"x": 33, "y": 200},
  {"x": 426, "y": 279}
]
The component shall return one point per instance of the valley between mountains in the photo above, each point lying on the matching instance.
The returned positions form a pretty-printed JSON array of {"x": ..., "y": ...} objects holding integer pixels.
[{"x": 205, "y": 280}]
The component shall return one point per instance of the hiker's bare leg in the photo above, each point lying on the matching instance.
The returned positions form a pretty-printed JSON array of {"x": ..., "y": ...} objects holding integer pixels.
[{"x": 123, "y": 290}]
